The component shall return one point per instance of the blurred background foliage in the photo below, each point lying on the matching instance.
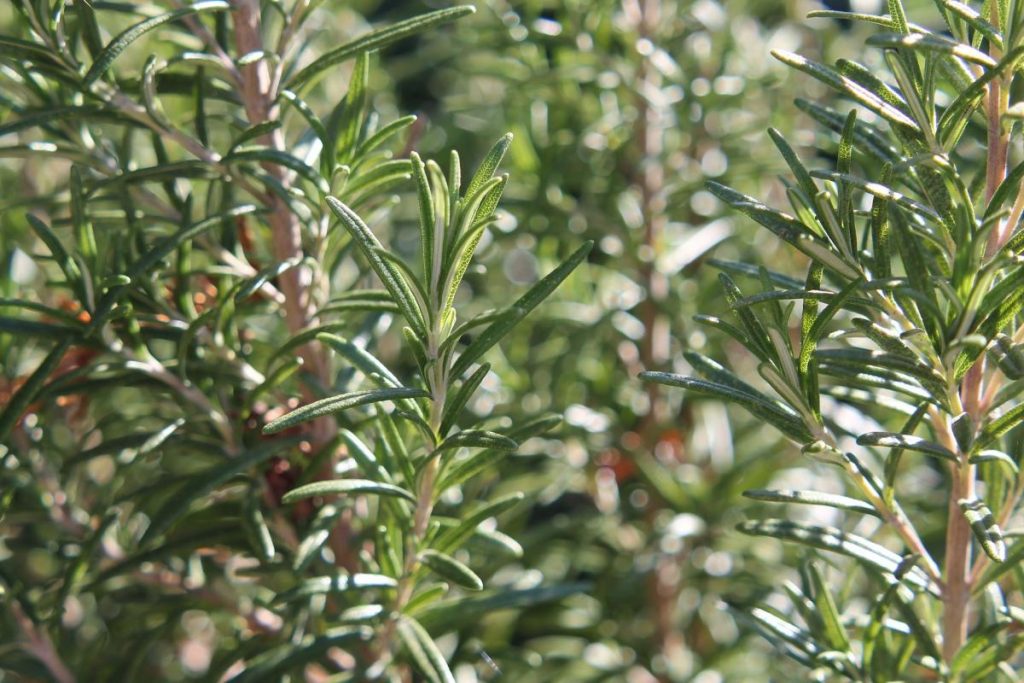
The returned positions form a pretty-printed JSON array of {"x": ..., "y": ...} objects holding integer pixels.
[{"x": 620, "y": 111}]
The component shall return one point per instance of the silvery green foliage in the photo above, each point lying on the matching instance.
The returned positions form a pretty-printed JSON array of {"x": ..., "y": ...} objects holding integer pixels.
[
  {"x": 208, "y": 469},
  {"x": 894, "y": 361}
]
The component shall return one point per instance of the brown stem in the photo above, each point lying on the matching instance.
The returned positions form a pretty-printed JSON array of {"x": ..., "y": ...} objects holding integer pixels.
[
  {"x": 956, "y": 593},
  {"x": 38, "y": 644},
  {"x": 296, "y": 284}
]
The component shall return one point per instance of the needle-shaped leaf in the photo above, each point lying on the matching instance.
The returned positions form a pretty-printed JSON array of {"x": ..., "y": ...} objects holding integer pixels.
[
  {"x": 477, "y": 438},
  {"x": 200, "y": 485},
  {"x": 985, "y": 528},
  {"x": 60, "y": 255},
  {"x": 782, "y": 225},
  {"x": 120, "y": 43},
  {"x": 759, "y": 405},
  {"x": 456, "y": 403},
  {"x": 489, "y": 165},
  {"x": 348, "y": 487},
  {"x": 831, "y": 500},
  {"x": 428, "y": 221},
  {"x": 27, "y": 392},
  {"x": 932, "y": 42},
  {"x": 252, "y": 285},
  {"x": 340, "y": 583},
  {"x": 166, "y": 246},
  {"x": 385, "y": 134},
  {"x": 374, "y": 41},
  {"x": 907, "y": 442},
  {"x": 451, "y": 569},
  {"x": 835, "y": 540},
  {"x": 451, "y": 539},
  {"x": 424, "y": 651},
  {"x": 390, "y": 275},
  {"x": 314, "y": 122},
  {"x": 369, "y": 365},
  {"x": 276, "y": 157},
  {"x": 334, "y": 404},
  {"x": 275, "y": 663},
  {"x": 872, "y": 100},
  {"x": 511, "y": 316},
  {"x": 827, "y": 611}
]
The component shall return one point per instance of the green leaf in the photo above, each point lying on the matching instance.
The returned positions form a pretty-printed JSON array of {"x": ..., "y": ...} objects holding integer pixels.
[
  {"x": 906, "y": 442},
  {"x": 353, "y": 113},
  {"x": 985, "y": 528},
  {"x": 250, "y": 286},
  {"x": 831, "y": 500},
  {"x": 932, "y": 42},
  {"x": 164, "y": 247},
  {"x": 464, "y": 248},
  {"x": 511, "y": 316},
  {"x": 464, "y": 611},
  {"x": 256, "y": 526},
  {"x": 424, "y": 651},
  {"x": 451, "y": 539},
  {"x": 776, "y": 414},
  {"x": 348, "y": 487},
  {"x": 827, "y": 611},
  {"x": 384, "y": 135},
  {"x": 27, "y": 392},
  {"x": 782, "y": 225},
  {"x": 829, "y": 76},
  {"x": 60, "y": 255},
  {"x": 119, "y": 44},
  {"x": 838, "y": 541},
  {"x": 255, "y": 132},
  {"x": 307, "y": 113},
  {"x": 1000, "y": 426},
  {"x": 803, "y": 646},
  {"x": 276, "y": 157},
  {"x": 455, "y": 404},
  {"x": 274, "y": 663},
  {"x": 489, "y": 165},
  {"x": 460, "y": 471},
  {"x": 339, "y": 583},
  {"x": 477, "y": 438},
  {"x": 161, "y": 173},
  {"x": 334, "y": 404},
  {"x": 364, "y": 457},
  {"x": 366, "y": 363},
  {"x": 392, "y": 278},
  {"x": 374, "y": 41},
  {"x": 803, "y": 178},
  {"x": 199, "y": 485},
  {"x": 451, "y": 569},
  {"x": 429, "y": 225},
  {"x": 995, "y": 456},
  {"x": 32, "y": 118}
]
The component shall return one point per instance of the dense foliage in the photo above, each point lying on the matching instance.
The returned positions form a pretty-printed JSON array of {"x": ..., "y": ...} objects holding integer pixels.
[
  {"x": 291, "y": 390},
  {"x": 906, "y": 346}
]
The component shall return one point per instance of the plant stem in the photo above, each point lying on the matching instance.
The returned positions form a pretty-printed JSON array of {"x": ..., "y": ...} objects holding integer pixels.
[
  {"x": 956, "y": 592},
  {"x": 424, "y": 504},
  {"x": 957, "y": 589},
  {"x": 259, "y": 97}
]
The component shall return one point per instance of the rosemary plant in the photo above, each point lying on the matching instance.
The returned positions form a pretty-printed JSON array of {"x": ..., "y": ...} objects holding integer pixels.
[
  {"x": 902, "y": 368},
  {"x": 183, "y": 283}
]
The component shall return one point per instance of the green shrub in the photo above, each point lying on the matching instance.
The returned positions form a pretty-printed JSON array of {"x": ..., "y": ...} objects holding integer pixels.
[
  {"x": 218, "y": 460},
  {"x": 900, "y": 369}
]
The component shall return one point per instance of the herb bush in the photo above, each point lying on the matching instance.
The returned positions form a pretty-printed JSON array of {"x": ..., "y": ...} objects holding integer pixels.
[
  {"x": 219, "y": 459},
  {"x": 643, "y": 501},
  {"x": 245, "y": 436},
  {"x": 900, "y": 371}
]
